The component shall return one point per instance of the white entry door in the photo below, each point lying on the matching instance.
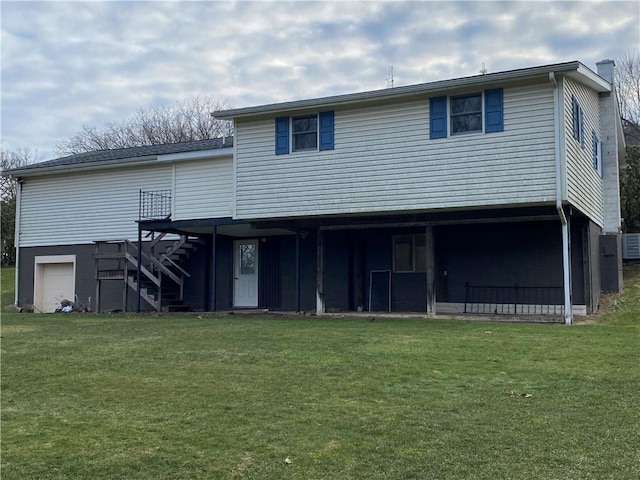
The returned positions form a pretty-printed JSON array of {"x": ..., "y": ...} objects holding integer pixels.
[{"x": 245, "y": 285}]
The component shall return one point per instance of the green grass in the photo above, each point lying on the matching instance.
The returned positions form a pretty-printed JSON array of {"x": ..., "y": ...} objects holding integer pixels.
[
  {"x": 7, "y": 286},
  {"x": 187, "y": 397}
]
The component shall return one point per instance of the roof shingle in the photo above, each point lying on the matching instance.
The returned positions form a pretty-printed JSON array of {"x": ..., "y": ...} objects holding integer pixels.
[{"x": 114, "y": 155}]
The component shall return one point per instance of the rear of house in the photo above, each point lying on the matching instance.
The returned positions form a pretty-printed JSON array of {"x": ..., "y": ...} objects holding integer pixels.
[{"x": 489, "y": 194}]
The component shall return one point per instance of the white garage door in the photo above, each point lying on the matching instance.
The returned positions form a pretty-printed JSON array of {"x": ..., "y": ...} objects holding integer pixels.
[{"x": 53, "y": 283}]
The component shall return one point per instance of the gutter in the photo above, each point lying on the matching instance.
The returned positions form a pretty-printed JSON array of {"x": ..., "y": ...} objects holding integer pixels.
[
  {"x": 566, "y": 259},
  {"x": 16, "y": 237}
]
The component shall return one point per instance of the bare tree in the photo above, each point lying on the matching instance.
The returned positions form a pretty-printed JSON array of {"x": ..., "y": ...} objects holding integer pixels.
[
  {"x": 182, "y": 122},
  {"x": 628, "y": 85},
  {"x": 10, "y": 159}
]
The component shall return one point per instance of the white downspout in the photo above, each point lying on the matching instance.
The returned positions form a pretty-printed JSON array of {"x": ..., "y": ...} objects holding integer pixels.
[
  {"x": 16, "y": 238},
  {"x": 566, "y": 260}
]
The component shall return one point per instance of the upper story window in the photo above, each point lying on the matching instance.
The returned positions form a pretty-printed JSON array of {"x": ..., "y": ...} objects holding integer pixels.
[
  {"x": 466, "y": 113},
  {"x": 304, "y": 133},
  {"x": 577, "y": 117},
  {"x": 475, "y": 112},
  {"x": 596, "y": 152}
]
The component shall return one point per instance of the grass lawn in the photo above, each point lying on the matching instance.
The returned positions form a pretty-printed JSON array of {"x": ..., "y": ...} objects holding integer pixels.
[{"x": 195, "y": 397}]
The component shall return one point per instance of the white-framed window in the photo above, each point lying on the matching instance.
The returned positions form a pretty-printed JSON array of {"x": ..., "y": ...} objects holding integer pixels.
[
  {"x": 466, "y": 113},
  {"x": 304, "y": 132},
  {"x": 479, "y": 112},
  {"x": 310, "y": 132},
  {"x": 410, "y": 252},
  {"x": 596, "y": 152},
  {"x": 577, "y": 117}
]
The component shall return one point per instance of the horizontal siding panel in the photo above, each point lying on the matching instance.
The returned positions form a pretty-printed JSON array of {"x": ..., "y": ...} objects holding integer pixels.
[
  {"x": 85, "y": 207},
  {"x": 204, "y": 189},
  {"x": 384, "y": 161},
  {"x": 584, "y": 184}
]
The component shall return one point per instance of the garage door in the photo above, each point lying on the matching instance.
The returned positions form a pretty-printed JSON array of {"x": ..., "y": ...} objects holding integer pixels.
[{"x": 54, "y": 282}]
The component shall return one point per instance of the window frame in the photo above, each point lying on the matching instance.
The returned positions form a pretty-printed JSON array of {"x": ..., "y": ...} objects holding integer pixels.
[
  {"x": 596, "y": 154},
  {"x": 295, "y": 134},
  {"x": 324, "y": 133},
  {"x": 490, "y": 115},
  {"x": 415, "y": 257},
  {"x": 480, "y": 113}
]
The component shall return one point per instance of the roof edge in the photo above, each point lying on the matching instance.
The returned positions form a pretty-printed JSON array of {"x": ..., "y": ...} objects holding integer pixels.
[
  {"x": 581, "y": 72},
  {"x": 121, "y": 162}
]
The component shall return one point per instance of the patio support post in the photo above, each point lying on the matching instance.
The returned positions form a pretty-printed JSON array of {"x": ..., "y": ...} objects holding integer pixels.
[
  {"x": 297, "y": 271},
  {"x": 320, "y": 306},
  {"x": 139, "y": 267},
  {"x": 212, "y": 307},
  {"x": 431, "y": 291}
]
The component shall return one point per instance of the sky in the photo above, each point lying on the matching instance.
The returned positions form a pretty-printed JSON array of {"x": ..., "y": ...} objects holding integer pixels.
[{"x": 66, "y": 65}]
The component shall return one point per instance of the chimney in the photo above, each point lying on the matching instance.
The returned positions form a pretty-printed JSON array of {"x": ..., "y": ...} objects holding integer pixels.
[{"x": 605, "y": 69}]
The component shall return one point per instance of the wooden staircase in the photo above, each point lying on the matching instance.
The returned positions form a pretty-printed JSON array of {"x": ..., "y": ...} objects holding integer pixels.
[{"x": 162, "y": 273}]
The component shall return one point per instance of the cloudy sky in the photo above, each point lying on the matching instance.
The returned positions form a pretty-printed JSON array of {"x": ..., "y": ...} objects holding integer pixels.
[{"x": 69, "y": 64}]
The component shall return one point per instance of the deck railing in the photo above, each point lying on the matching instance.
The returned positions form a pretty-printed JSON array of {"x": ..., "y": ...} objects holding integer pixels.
[
  {"x": 155, "y": 205},
  {"x": 513, "y": 300},
  {"x": 118, "y": 260}
]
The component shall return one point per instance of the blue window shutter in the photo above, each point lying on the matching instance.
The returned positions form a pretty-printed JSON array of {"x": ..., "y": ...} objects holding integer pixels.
[
  {"x": 326, "y": 130},
  {"x": 438, "y": 117},
  {"x": 493, "y": 110},
  {"x": 594, "y": 149},
  {"x": 282, "y": 135},
  {"x": 581, "y": 128},
  {"x": 575, "y": 117}
]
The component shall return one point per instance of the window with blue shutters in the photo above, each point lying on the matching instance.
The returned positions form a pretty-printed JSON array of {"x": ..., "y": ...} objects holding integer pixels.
[
  {"x": 469, "y": 113},
  {"x": 304, "y": 133}
]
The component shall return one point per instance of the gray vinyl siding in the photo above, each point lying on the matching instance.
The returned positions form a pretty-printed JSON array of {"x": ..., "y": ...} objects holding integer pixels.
[
  {"x": 203, "y": 189},
  {"x": 584, "y": 184},
  {"x": 83, "y": 207},
  {"x": 384, "y": 161}
]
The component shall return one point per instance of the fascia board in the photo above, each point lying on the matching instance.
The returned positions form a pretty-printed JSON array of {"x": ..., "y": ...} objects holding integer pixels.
[
  {"x": 80, "y": 167},
  {"x": 199, "y": 154},
  {"x": 587, "y": 77},
  {"x": 119, "y": 163}
]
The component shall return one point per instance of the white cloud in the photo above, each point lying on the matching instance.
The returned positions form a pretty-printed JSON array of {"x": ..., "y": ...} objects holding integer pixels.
[{"x": 66, "y": 64}]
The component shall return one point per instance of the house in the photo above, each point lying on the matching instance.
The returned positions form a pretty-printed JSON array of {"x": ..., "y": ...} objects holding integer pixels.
[{"x": 496, "y": 193}]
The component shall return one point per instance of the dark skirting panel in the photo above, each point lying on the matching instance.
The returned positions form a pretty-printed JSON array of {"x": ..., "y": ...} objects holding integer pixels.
[{"x": 269, "y": 284}]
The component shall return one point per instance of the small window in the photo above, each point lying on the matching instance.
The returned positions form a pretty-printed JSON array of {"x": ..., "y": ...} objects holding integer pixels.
[
  {"x": 305, "y": 133},
  {"x": 466, "y": 113},
  {"x": 247, "y": 259},
  {"x": 410, "y": 253},
  {"x": 577, "y": 115},
  {"x": 596, "y": 148}
]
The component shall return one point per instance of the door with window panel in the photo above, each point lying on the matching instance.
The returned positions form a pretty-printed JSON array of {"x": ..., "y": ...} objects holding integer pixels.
[{"x": 245, "y": 286}]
